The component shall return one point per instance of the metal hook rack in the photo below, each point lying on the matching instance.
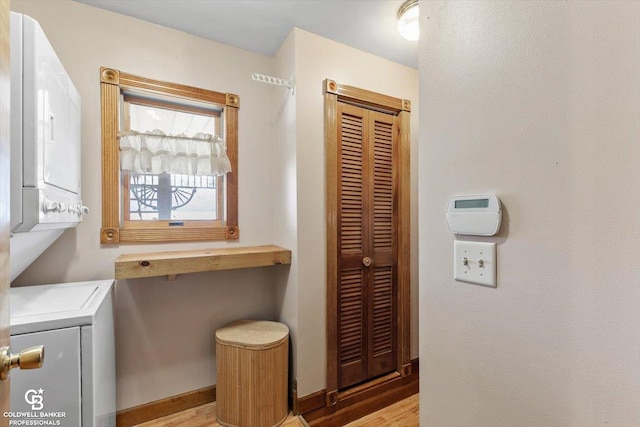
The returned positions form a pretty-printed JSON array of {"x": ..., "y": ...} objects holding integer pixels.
[{"x": 289, "y": 84}]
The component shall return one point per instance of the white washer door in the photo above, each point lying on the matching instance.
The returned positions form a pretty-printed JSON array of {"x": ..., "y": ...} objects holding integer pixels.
[{"x": 53, "y": 391}]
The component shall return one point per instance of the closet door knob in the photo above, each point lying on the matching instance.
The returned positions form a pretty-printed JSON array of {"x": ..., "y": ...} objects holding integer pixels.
[{"x": 367, "y": 261}]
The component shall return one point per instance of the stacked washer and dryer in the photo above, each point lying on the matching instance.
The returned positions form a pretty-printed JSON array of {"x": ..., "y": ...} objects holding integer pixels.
[{"x": 74, "y": 321}]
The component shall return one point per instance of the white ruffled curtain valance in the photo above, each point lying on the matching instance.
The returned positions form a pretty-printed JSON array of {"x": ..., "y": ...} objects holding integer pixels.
[{"x": 155, "y": 153}]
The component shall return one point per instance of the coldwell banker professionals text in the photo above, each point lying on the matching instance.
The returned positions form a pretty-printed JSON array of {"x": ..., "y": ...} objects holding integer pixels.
[{"x": 35, "y": 417}]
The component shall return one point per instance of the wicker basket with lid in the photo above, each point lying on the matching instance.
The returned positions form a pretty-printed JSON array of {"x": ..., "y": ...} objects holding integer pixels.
[{"x": 252, "y": 370}]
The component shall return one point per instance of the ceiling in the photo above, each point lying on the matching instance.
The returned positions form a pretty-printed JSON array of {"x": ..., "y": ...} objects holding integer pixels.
[{"x": 262, "y": 25}]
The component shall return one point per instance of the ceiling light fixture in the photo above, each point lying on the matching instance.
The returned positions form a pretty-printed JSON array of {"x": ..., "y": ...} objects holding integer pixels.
[{"x": 408, "y": 22}]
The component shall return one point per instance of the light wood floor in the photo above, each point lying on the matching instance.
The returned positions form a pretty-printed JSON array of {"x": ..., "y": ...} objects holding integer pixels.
[
  {"x": 203, "y": 416},
  {"x": 401, "y": 414}
]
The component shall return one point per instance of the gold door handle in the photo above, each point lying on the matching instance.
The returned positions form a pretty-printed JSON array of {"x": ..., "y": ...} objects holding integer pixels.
[
  {"x": 367, "y": 261},
  {"x": 29, "y": 358}
]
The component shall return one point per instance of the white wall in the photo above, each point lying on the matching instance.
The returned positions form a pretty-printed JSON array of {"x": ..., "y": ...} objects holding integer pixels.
[
  {"x": 540, "y": 103},
  {"x": 285, "y": 199},
  {"x": 163, "y": 329},
  {"x": 316, "y": 59}
]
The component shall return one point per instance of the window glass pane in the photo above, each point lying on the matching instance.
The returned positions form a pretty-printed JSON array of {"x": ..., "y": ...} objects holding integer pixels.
[
  {"x": 173, "y": 196},
  {"x": 144, "y": 118}
]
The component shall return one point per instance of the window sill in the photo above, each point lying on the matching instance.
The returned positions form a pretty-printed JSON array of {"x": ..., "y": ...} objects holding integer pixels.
[{"x": 152, "y": 264}]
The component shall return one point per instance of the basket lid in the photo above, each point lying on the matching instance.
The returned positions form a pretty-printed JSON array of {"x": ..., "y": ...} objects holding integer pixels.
[{"x": 252, "y": 333}]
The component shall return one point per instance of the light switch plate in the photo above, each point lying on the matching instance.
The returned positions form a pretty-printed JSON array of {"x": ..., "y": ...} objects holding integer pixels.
[{"x": 474, "y": 262}]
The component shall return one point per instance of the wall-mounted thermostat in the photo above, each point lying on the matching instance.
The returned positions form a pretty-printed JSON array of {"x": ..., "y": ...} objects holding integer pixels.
[{"x": 474, "y": 215}]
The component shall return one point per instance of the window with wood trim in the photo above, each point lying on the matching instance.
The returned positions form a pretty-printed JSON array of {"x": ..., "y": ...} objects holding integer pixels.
[{"x": 169, "y": 167}]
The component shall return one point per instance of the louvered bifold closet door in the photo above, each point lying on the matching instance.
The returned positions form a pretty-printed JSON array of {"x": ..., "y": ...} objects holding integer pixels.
[
  {"x": 382, "y": 346},
  {"x": 353, "y": 242},
  {"x": 367, "y": 294}
]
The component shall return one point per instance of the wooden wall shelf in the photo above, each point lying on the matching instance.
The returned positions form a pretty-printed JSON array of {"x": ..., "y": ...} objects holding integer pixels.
[{"x": 133, "y": 266}]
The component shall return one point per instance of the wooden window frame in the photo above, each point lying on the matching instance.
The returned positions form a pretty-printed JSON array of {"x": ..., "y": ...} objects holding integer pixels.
[
  {"x": 333, "y": 93},
  {"x": 114, "y": 230}
]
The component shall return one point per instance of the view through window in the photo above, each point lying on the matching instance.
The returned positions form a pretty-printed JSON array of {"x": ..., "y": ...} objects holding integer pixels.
[{"x": 171, "y": 196}]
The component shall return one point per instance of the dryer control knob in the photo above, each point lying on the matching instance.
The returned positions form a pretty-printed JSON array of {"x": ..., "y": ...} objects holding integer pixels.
[
  {"x": 84, "y": 210},
  {"x": 50, "y": 206}
]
